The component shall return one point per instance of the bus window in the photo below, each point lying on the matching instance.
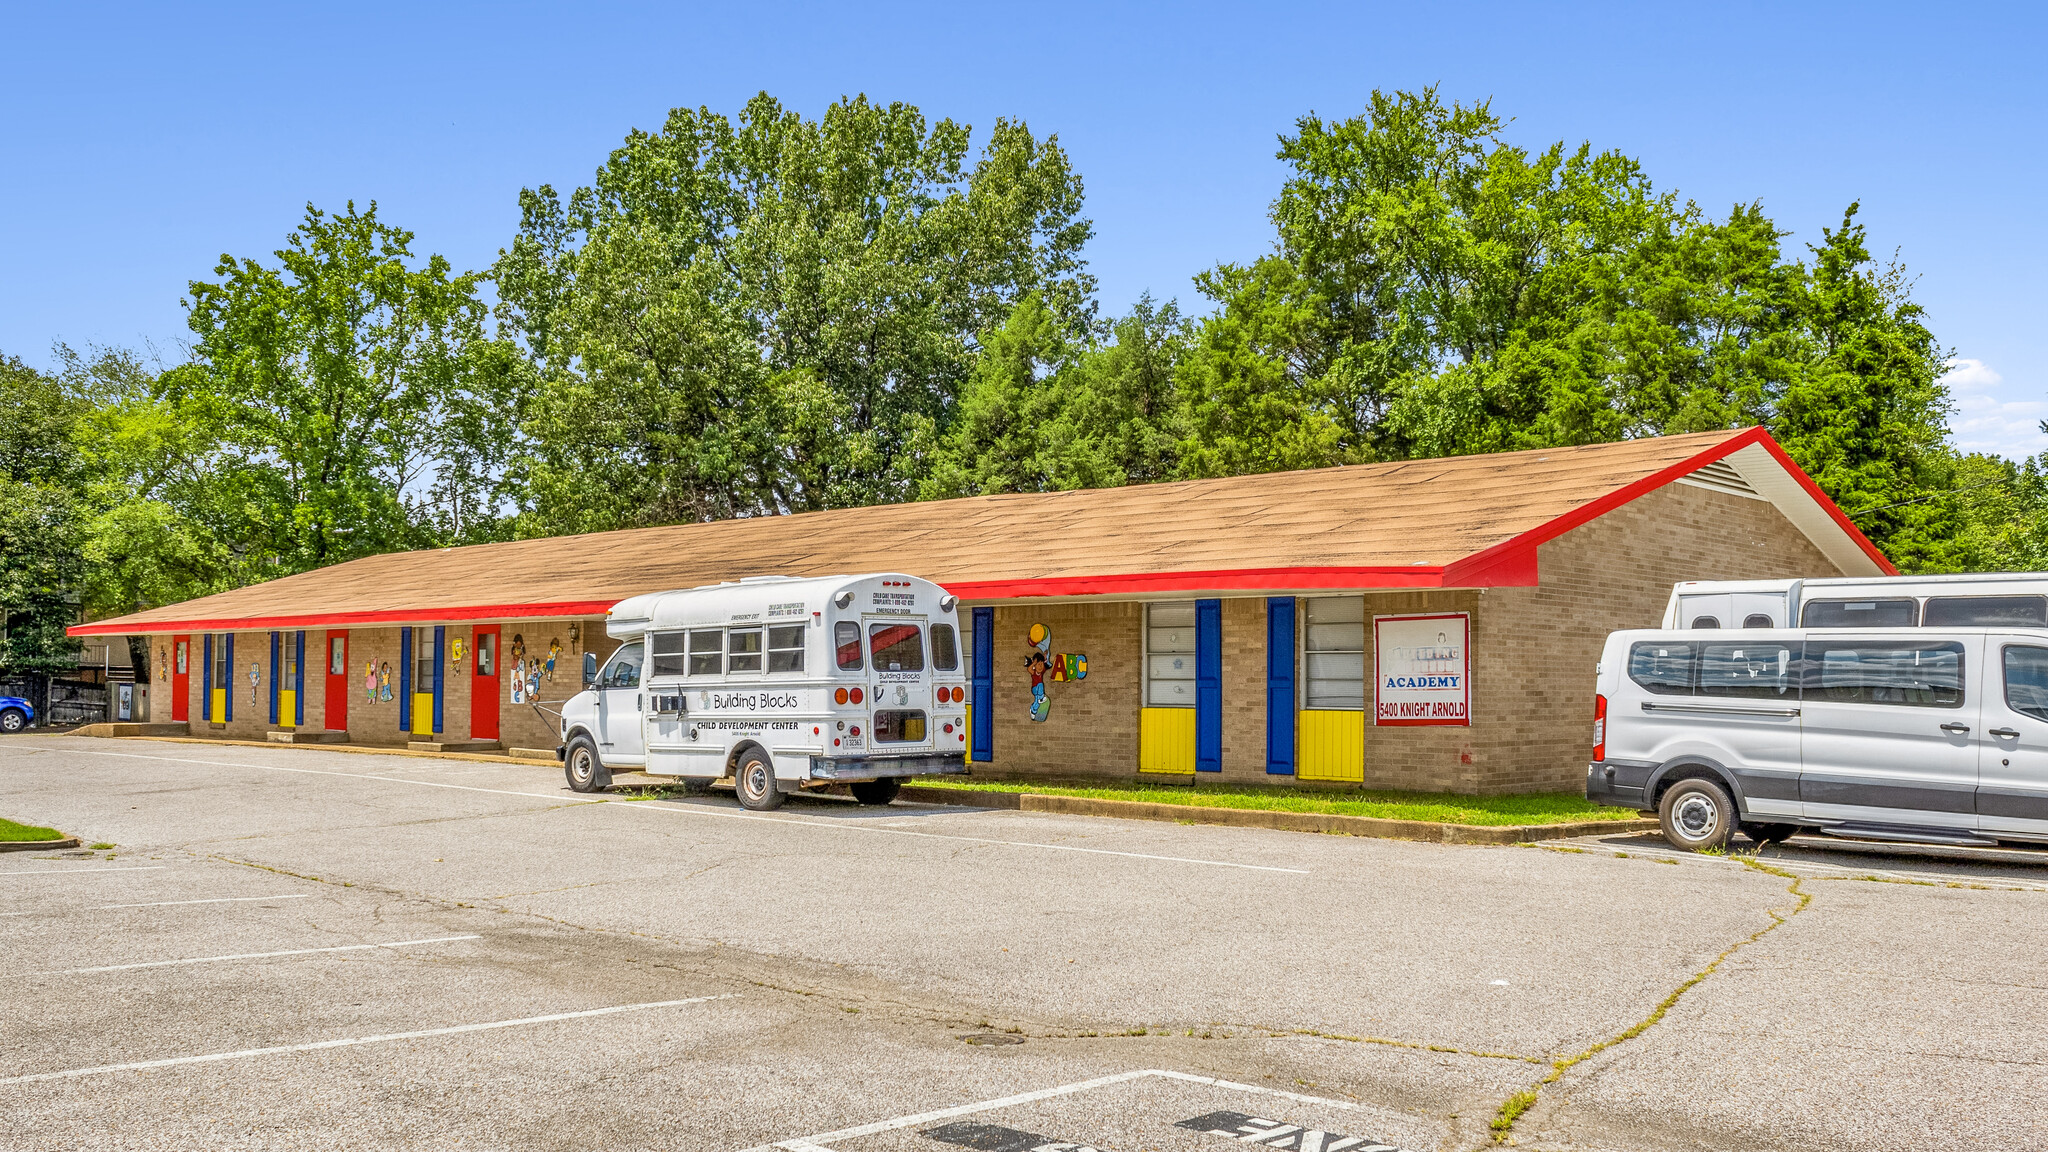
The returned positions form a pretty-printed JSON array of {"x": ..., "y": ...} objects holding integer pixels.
[
  {"x": 786, "y": 648},
  {"x": 846, "y": 639},
  {"x": 1860, "y": 614},
  {"x": 743, "y": 650},
  {"x": 945, "y": 657},
  {"x": 707, "y": 652},
  {"x": 896, "y": 647},
  {"x": 668, "y": 654},
  {"x": 1986, "y": 611}
]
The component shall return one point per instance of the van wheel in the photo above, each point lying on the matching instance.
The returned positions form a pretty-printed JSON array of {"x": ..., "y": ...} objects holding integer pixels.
[
  {"x": 580, "y": 763},
  {"x": 1766, "y": 835},
  {"x": 1697, "y": 815},
  {"x": 877, "y": 791},
  {"x": 754, "y": 780}
]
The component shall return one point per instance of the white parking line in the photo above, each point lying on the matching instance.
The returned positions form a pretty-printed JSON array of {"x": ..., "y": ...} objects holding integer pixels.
[
  {"x": 818, "y": 1142},
  {"x": 214, "y": 900},
  {"x": 247, "y": 956},
  {"x": 424, "y": 1033},
  {"x": 793, "y": 821},
  {"x": 82, "y": 871}
]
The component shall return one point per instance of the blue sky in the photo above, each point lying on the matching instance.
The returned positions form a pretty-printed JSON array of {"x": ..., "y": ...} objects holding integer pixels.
[{"x": 141, "y": 142}]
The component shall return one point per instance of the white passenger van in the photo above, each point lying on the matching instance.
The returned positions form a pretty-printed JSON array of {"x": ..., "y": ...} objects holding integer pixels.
[
  {"x": 777, "y": 683},
  {"x": 1913, "y": 732},
  {"x": 1977, "y": 599}
]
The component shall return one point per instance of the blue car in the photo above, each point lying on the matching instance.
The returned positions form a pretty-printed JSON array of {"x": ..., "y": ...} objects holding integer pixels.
[{"x": 15, "y": 714}]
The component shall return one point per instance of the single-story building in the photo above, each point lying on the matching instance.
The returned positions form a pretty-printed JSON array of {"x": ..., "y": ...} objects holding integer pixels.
[{"x": 1425, "y": 624}]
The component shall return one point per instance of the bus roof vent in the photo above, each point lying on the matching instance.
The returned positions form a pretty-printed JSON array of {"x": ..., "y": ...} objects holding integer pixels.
[{"x": 1721, "y": 476}]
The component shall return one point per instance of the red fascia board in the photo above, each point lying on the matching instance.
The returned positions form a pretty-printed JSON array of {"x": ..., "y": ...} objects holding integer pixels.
[
  {"x": 1486, "y": 568},
  {"x": 1226, "y": 580},
  {"x": 330, "y": 619}
]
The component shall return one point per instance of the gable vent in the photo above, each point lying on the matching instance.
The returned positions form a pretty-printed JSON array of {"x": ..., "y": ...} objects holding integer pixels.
[{"x": 1721, "y": 476}]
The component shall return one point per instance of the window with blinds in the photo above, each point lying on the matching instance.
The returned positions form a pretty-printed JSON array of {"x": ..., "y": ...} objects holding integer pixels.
[
  {"x": 1333, "y": 654},
  {"x": 1170, "y": 655}
]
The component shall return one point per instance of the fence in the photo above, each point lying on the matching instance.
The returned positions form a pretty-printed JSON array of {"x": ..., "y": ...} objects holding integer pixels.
[{"x": 59, "y": 703}]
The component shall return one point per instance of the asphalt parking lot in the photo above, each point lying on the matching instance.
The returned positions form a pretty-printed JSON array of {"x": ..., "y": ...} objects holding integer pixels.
[{"x": 306, "y": 948}]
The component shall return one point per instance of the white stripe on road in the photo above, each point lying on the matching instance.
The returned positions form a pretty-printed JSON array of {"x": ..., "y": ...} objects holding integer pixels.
[
  {"x": 248, "y": 956},
  {"x": 247, "y": 1053},
  {"x": 214, "y": 900},
  {"x": 818, "y": 1142},
  {"x": 798, "y": 822},
  {"x": 84, "y": 871}
]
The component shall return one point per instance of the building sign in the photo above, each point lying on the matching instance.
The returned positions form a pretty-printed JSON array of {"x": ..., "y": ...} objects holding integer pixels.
[{"x": 1422, "y": 669}]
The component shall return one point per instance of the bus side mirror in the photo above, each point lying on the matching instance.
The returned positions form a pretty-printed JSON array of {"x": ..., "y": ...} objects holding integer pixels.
[{"x": 589, "y": 669}]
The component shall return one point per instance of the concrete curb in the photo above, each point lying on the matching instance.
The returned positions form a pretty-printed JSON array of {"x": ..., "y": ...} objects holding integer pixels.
[
  {"x": 32, "y": 845},
  {"x": 1373, "y": 826}
]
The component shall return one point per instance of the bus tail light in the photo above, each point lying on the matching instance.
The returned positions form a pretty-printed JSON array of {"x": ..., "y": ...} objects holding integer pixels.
[
  {"x": 839, "y": 697},
  {"x": 855, "y": 695},
  {"x": 1599, "y": 728}
]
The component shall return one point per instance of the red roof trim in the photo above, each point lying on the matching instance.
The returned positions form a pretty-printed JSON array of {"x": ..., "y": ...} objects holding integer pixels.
[
  {"x": 1827, "y": 505},
  {"x": 1224, "y": 580},
  {"x": 326, "y": 619}
]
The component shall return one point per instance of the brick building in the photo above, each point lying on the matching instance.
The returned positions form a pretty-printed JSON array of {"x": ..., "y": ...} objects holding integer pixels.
[{"x": 1427, "y": 624}]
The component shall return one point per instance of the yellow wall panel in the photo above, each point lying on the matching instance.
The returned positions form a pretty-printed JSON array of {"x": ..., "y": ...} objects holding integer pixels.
[
  {"x": 1331, "y": 746},
  {"x": 423, "y": 713},
  {"x": 217, "y": 708},
  {"x": 287, "y": 708},
  {"x": 1166, "y": 740}
]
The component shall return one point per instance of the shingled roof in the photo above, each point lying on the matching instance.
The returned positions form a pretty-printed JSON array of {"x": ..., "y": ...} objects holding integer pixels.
[{"x": 1466, "y": 521}]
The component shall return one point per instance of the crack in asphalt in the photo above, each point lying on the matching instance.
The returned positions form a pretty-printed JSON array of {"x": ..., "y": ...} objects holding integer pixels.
[{"x": 1512, "y": 1109}]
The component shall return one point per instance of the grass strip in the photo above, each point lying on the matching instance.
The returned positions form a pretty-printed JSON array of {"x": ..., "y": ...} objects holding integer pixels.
[
  {"x": 1512, "y": 1108},
  {"x": 1430, "y": 807},
  {"x": 9, "y": 830}
]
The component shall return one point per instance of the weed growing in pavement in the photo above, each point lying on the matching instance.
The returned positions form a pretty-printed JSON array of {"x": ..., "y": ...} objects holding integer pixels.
[
  {"x": 1512, "y": 1108},
  {"x": 101, "y": 847}
]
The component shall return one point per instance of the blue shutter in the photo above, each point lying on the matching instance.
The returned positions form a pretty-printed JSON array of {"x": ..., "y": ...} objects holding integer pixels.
[
  {"x": 405, "y": 679},
  {"x": 983, "y": 739},
  {"x": 299, "y": 683},
  {"x": 206, "y": 682},
  {"x": 1280, "y": 685},
  {"x": 440, "y": 670},
  {"x": 276, "y": 642},
  {"x": 1208, "y": 685},
  {"x": 227, "y": 641}
]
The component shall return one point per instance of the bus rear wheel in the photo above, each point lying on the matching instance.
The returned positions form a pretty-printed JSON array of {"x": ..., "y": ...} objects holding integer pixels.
[
  {"x": 877, "y": 791},
  {"x": 754, "y": 781}
]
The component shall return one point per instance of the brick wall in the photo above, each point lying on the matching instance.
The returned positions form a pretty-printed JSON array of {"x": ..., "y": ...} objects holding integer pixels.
[{"x": 1092, "y": 728}]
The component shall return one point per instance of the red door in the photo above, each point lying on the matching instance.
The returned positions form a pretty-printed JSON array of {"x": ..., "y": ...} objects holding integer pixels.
[
  {"x": 335, "y": 716},
  {"x": 483, "y": 691},
  {"x": 181, "y": 678}
]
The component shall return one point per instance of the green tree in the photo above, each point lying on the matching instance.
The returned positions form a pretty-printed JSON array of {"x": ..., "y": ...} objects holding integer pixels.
[
  {"x": 349, "y": 402},
  {"x": 40, "y": 563},
  {"x": 774, "y": 314}
]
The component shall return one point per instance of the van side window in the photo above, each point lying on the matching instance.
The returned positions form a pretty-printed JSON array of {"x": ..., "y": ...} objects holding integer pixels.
[
  {"x": 1662, "y": 667},
  {"x": 668, "y": 654},
  {"x": 1895, "y": 672},
  {"x": 846, "y": 644},
  {"x": 743, "y": 650},
  {"x": 786, "y": 648},
  {"x": 1757, "y": 620},
  {"x": 1860, "y": 614},
  {"x": 2026, "y": 681},
  {"x": 1768, "y": 671},
  {"x": 624, "y": 669},
  {"x": 1985, "y": 611},
  {"x": 707, "y": 652},
  {"x": 945, "y": 656}
]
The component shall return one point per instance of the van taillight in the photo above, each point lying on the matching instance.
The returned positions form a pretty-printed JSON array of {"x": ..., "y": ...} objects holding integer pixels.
[{"x": 1599, "y": 728}]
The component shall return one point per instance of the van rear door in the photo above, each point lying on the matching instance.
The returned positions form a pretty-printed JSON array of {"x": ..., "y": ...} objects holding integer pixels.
[
  {"x": 900, "y": 703},
  {"x": 1888, "y": 731}
]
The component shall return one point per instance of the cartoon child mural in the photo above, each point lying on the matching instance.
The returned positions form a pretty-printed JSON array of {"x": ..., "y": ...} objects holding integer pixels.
[
  {"x": 163, "y": 663},
  {"x": 370, "y": 681},
  {"x": 554, "y": 650},
  {"x": 518, "y": 668},
  {"x": 255, "y": 677},
  {"x": 384, "y": 681},
  {"x": 455, "y": 661},
  {"x": 1043, "y": 665}
]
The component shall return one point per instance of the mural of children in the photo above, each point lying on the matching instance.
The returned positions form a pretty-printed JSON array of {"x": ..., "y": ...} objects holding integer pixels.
[
  {"x": 255, "y": 677},
  {"x": 370, "y": 681},
  {"x": 384, "y": 681},
  {"x": 533, "y": 680},
  {"x": 1040, "y": 706},
  {"x": 554, "y": 650},
  {"x": 518, "y": 676},
  {"x": 163, "y": 663},
  {"x": 455, "y": 660}
]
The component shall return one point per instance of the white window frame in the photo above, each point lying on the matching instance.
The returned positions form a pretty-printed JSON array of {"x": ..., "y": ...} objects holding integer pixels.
[
  {"x": 1306, "y": 699},
  {"x": 1152, "y": 649}
]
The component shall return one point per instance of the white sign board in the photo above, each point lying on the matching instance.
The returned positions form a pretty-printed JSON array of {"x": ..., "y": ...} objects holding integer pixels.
[{"x": 1422, "y": 669}]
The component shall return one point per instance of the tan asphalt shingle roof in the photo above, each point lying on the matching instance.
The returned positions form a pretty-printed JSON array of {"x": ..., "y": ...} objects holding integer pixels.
[{"x": 1412, "y": 512}]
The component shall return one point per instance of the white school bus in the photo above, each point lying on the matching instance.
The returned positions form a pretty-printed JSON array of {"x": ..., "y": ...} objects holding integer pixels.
[{"x": 777, "y": 683}]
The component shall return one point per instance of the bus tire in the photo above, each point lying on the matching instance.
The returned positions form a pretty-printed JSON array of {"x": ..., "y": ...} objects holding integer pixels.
[
  {"x": 877, "y": 791},
  {"x": 584, "y": 768},
  {"x": 754, "y": 781}
]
